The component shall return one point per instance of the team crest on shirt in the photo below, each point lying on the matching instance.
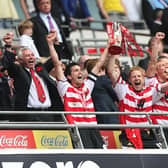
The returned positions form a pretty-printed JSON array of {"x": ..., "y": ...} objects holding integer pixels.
[{"x": 140, "y": 104}]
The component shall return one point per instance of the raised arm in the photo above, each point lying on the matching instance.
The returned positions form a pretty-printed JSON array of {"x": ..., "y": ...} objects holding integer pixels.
[
  {"x": 113, "y": 69},
  {"x": 51, "y": 39},
  {"x": 9, "y": 56},
  {"x": 8, "y": 39},
  {"x": 101, "y": 60},
  {"x": 151, "y": 70}
]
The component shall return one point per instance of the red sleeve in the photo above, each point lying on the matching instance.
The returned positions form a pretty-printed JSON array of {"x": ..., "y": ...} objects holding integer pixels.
[{"x": 69, "y": 119}]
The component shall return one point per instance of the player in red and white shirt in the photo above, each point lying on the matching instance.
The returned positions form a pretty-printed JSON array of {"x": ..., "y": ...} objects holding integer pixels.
[
  {"x": 159, "y": 106},
  {"x": 134, "y": 97},
  {"x": 157, "y": 73},
  {"x": 78, "y": 99},
  {"x": 76, "y": 94}
]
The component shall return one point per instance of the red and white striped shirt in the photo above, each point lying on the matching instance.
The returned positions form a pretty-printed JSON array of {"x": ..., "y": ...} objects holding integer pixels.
[
  {"x": 132, "y": 101},
  {"x": 159, "y": 106},
  {"x": 78, "y": 100}
]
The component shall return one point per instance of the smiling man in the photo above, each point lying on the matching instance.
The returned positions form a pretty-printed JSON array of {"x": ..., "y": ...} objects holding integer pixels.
[
  {"x": 157, "y": 73},
  {"x": 34, "y": 88},
  {"x": 75, "y": 92},
  {"x": 135, "y": 97}
]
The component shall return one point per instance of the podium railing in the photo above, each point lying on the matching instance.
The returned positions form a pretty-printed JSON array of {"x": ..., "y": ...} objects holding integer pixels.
[{"x": 74, "y": 129}]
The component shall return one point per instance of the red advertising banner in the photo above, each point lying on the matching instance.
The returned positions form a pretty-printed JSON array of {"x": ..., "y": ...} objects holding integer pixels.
[{"x": 17, "y": 139}]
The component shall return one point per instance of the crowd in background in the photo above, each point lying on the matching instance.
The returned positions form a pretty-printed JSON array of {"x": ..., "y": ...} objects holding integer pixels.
[{"x": 34, "y": 78}]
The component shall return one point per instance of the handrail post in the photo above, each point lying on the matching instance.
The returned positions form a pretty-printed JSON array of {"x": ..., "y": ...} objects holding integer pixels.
[
  {"x": 162, "y": 138},
  {"x": 75, "y": 135},
  {"x": 79, "y": 143},
  {"x": 159, "y": 134}
]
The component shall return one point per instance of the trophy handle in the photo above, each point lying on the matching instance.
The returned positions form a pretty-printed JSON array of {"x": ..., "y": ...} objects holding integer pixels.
[{"x": 110, "y": 31}]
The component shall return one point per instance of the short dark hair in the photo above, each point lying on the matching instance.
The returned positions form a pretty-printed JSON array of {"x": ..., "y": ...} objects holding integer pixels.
[{"x": 69, "y": 68}]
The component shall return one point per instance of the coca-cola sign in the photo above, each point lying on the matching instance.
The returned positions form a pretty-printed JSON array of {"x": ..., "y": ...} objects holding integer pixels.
[
  {"x": 59, "y": 140},
  {"x": 19, "y": 140},
  {"x": 16, "y": 139},
  {"x": 52, "y": 139}
]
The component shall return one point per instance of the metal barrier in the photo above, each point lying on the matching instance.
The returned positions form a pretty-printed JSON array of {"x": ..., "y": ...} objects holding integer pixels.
[
  {"x": 74, "y": 129},
  {"x": 80, "y": 22}
]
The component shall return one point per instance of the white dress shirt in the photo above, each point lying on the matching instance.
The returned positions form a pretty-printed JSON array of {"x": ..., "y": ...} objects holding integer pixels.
[{"x": 33, "y": 100}]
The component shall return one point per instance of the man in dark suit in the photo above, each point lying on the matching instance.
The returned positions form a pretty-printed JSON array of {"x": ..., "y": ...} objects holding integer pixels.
[
  {"x": 32, "y": 83},
  {"x": 58, "y": 12},
  {"x": 42, "y": 24}
]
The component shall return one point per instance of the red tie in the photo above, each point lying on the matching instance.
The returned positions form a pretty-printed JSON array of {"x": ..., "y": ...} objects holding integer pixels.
[{"x": 40, "y": 91}]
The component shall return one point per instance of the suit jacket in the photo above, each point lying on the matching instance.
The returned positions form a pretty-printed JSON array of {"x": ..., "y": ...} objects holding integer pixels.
[
  {"x": 39, "y": 36},
  {"x": 22, "y": 82},
  {"x": 5, "y": 95},
  {"x": 58, "y": 12}
]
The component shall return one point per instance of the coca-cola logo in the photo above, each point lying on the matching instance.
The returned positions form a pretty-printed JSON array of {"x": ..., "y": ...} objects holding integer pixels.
[
  {"x": 19, "y": 140},
  {"x": 59, "y": 140}
]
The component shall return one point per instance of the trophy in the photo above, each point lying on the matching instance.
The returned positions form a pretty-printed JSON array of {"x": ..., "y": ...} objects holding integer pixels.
[{"x": 114, "y": 32}]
